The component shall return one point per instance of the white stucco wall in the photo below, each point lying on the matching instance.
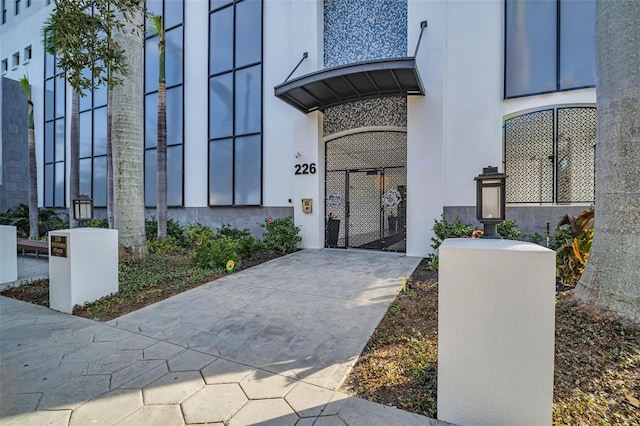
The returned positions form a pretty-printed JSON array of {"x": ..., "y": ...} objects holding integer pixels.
[{"x": 290, "y": 29}]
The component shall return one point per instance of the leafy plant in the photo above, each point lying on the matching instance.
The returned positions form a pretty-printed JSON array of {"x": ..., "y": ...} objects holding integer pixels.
[
  {"x": 432, "y": 262},
  {"x": 174, "y": 230},
  {"x": 573, "y": 254},
  {"x": 166, "y": 246},
  {"x": 48, "y": 220},
  {"x": 248, "y": 246},
  {"x": 235, "y": 233},
  {"x": 281, "y": 235},
  {"x": 98, "y": 223},
  {"x": 199, "y": 234},
  {"x": 509, "y": 230},
  {"x": 444, "y": 229},
  {"x": 214, "y": 254}
]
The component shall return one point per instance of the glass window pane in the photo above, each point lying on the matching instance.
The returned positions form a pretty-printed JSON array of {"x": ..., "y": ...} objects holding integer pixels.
[
  {"x": 247, "y": 170},
  {"x": 85, "y": 134},
  {"x": 531, "y": 47},
  {"x": 151, "y": 120},
  {"x": 59, "y": 144},
  {"x": 221, "y": 172},
  {"x": 221, "y": 40},
  {"x": 48, "y": 99},
  {"x": 577, "y": 44},
  {"x": 59, "y": 188},
  {"x": 49, "y": 139},
  {"x": 174, "y": 115},
  {"x": 48, "y": 65},
  {"x": 150, "y": 167},
  {"x": 100, "y": 96},
  {"x": 214, "y": 4},
  {"x": 48, "y": 185},
  {"x": 85, "y": 101},
  {"x": 100, "y": 181},
  {"x": 174, "y": 175},
  {"x": 248, "y": 100},
  {"x": 84, "y": 167},
  {"x": 248, "y": 32},
  {"x": 173, "y": 12},
  {"x": 100, "y": 131},
  {"x": 173, "y": 57},
  {"x": 59, "y": 97},
  {"x": 151, "y": 65},
  {"x": 221, "y": 106}
]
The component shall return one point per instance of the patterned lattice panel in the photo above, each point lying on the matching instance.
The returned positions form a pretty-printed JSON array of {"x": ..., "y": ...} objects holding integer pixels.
[
  {"x": 576, "y": 154},
  {"x": 529, "y": 157}
]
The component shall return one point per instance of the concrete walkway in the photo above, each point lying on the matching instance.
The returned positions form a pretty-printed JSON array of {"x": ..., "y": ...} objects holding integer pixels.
[{"x": 268, "y": 345}]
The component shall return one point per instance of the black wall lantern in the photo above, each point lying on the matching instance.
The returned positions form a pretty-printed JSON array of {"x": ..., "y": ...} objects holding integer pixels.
[
  {"x": 490, "y": 200},
  {"x": 83, "y": 209}
]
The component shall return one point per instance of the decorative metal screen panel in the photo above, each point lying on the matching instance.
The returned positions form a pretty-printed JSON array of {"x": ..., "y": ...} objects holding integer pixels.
[
  {"x": 366, "y": 191},
  {"x": 529, "y": 158},
  {"x": 576, "y": 154}
]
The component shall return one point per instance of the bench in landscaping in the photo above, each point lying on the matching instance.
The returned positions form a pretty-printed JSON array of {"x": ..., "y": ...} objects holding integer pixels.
[{"x": 33, "y": 246}]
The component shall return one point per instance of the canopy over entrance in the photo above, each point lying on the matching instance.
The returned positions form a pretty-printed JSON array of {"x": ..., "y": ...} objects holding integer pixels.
[{"x": 362, "y": 80}]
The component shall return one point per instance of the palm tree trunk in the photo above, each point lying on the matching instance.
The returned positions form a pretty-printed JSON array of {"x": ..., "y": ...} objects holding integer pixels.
[
  {"x": 34, "y": 231},
  {"x": 161, "y": 181},
  {"x": 128, "y": 143},
  {"x": 74, "y": 155},
  {"x": 611, "y": 279},
  {"x": 109, "y": 162}
]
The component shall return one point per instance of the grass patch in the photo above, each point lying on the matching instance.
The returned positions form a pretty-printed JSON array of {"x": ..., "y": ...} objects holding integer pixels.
[{"x": 597, "y": 360}]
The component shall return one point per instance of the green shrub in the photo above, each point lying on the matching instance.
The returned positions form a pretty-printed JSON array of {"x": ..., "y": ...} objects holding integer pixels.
[
  {"x": 444, "y": 229},
  {"x": 199, "y": 234},
  {"x": 215, "y": 253},
  {"x": 48, "y": 220},
  {"x": 168, "y": 246},
  {"x": 174, "y": 230},
  {"x": 509, "y": 230},
  {"x": 248, "y": 246},
  {"x": 234, "y": 233},
  {"x": 536, "y": 238},
  {"x": 281, "y": 235},
  {"x": 98, "y": 223}
]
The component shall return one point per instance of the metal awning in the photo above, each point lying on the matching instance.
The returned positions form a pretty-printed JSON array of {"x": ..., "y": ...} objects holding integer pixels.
[{"x": 348, "y": 83}]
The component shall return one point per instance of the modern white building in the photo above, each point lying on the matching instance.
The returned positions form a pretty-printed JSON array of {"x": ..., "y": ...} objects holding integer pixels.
[{"x": 380, "y": 112}]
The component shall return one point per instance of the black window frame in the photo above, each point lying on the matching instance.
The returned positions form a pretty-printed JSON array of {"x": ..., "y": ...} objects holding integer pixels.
[
  {"x": 214, "y": 7},
  {"x": 558, "y": 57},
  {"x": 148, "y": 36},
  {"x": 51, "y": 186}
]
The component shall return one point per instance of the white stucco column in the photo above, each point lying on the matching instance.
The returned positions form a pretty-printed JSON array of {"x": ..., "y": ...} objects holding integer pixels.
[
  {"x": 8, "y": 254},
  {"x": 83, "y": 266},
  {"x": 496, "y": 319}
]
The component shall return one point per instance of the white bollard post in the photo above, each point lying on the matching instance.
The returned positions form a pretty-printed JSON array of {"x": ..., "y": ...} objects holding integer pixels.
[
  {"x": 8, "y": 254},
  {"x": 83, "y": 266},
  {"x": 496, "y": 319}
]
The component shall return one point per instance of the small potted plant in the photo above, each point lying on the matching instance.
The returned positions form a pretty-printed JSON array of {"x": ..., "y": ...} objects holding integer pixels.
[{"x": 332, "y": 230}]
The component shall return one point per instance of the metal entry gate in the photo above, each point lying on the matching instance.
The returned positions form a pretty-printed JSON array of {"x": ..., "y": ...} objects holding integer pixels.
[{"x": 366, "y": 191}]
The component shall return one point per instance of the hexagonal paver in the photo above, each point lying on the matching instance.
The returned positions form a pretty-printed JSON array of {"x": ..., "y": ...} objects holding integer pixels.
[
  {"x": 52, "y": 418},
  {"x": 308, "y": 400},
  {"x": 261, "y": 384},
  {"x": 189, "y": 360},
  {"x": 273, "y": 412},
  {"x": 223, "y": 371},
  {"x": 114, "y": 406},
  {"x": 173, "y": 388},
  {"x": 165, "y": 415},
  {"x": 213, "y": 403}
]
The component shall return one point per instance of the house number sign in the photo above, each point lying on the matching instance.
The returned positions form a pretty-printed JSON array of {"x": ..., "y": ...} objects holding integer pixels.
[
  {"x": 58, "y": 245},
  {"x": 306, "y": 169}
]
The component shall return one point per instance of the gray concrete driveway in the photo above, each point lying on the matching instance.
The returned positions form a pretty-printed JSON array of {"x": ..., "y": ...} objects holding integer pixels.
[{"x": 268, "y": 345}]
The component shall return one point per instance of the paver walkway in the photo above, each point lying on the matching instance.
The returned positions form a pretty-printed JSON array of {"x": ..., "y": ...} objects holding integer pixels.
[{"x": 268, "y": 345}]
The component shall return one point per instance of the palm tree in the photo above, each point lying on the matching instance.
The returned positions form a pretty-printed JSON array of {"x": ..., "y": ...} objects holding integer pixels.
[
  {"x": 157, "y": 28},
  {"x": 612, "y": 278},
  {"x": 127, "y": 140},
  {"x": 34, "y": 231},
  {"x": 74, "y": 155}
]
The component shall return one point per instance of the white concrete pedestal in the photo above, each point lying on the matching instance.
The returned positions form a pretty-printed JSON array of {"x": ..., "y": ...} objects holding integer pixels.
[
  {"x": 83, "y": 266},
  {"x": 496, "y": 319},
  {"x": 8, "y": 254}
]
